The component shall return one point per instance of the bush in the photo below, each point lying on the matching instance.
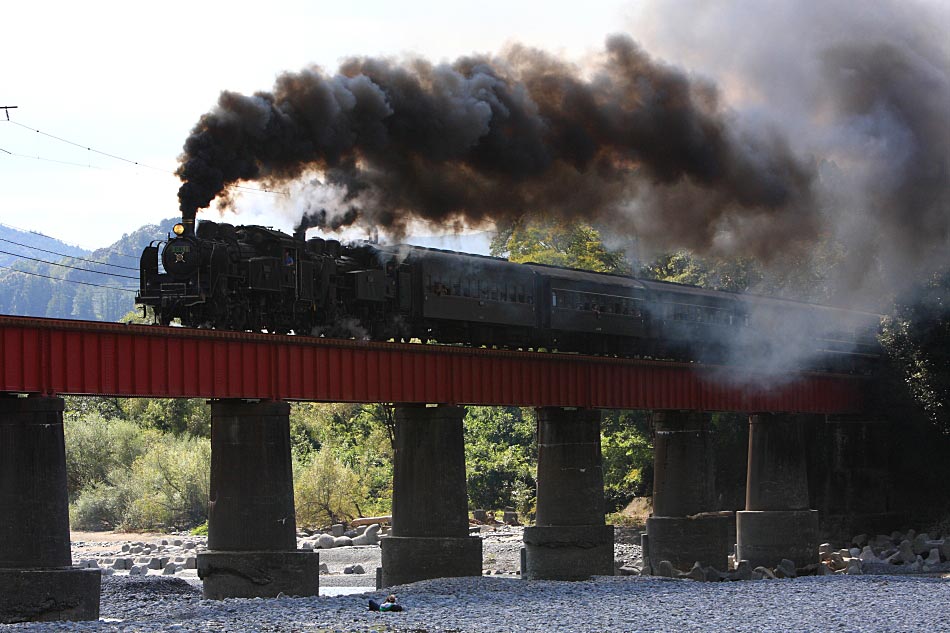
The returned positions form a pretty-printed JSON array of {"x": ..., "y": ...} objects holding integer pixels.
[
  {"x": 627, "y": 449},
  {"x": 325, "y": 490},
  {"x": 97, "y": 448},
  {"x": 99, "y": 507},
  {"x": 500, "y": 458},
  {"x": 170, "y": 484}
]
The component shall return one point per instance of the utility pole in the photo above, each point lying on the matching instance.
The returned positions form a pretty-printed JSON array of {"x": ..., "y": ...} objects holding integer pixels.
[{"x": 7, "y": 109}]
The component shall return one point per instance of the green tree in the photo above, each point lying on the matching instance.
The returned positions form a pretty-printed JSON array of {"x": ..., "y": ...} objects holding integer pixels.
[
  {"x": 173, "y": 415},
  {"x": 917, "y": 339},
  {"x": 500, "y": 457},
  {"x": 550, "y": 242},
  {"x": 97, "y": 448},
  {"x": 626, "y": 444},
  {"x": 737, "y": 275},
  {"x": 170, "y": 484},
  {"x": 326, "y": 491}
]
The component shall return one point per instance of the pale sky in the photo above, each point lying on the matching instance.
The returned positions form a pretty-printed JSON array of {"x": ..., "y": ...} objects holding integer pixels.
[{"x": 132, "y": 78}]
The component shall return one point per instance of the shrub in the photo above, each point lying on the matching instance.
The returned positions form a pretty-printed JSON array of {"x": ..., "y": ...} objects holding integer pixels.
[
  {"x": 325, "y": 489},
  {"x": 99, "y": 507},
  {"x": 97, "y": 448},
  {"x": 170, "y": 484}
]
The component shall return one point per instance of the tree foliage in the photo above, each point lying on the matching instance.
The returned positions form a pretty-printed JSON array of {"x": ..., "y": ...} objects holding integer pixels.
[
  {"x": 326, "y": 491},
  {"x": 98, "y": 449},
  {"x": 550, "y": 242},
  {"x": 626, "y": 444},
  {"x": 917, "y": 339},
  {"x": 500, "y": 457}
]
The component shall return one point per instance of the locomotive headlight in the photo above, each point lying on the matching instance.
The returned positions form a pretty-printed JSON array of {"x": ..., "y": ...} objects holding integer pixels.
[{"x": 178, "y": 229}]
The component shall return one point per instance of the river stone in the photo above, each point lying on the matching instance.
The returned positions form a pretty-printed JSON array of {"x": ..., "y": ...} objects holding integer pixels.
[
  {"x": 933, "y": 558},
  {"x": 868, "y": 556},
  {"x": 764, "y": 573},
  {"x": 325, "y": 541},
  {"x": 696, "y": 573},
  {"x": 906, "y": 552},
  {"x": 743, "y": 570},
  {"x": 785, "y": 569}
]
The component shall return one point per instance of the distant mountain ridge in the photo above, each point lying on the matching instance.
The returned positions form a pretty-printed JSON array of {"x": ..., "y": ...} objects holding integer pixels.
[
  {"x": 102, "y": 288},
  {"x": 12, "y": 238}
]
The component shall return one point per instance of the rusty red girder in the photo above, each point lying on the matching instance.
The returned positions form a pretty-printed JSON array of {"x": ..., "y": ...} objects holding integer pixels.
[{"x": 50, "y": 356}]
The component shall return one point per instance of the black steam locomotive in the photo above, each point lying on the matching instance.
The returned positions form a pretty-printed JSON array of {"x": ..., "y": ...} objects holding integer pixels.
[{"x": 255, "y": 278}]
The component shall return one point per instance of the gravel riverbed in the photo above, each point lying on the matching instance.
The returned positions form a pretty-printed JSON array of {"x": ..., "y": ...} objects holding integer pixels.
[
  {"x": 481, "y": 605},
  {"x": 499, "y": 601}
]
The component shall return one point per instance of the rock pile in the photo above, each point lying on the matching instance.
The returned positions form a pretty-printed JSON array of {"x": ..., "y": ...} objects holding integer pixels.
[
  {"x": 899, "y": 552},
  {"x": 339, "y": 536},
  {"x": 741, "y": 571},
  {"x": 169, "y": 556}
]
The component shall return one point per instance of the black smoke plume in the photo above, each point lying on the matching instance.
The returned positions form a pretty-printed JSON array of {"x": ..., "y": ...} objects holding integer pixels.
[
  {"x": 491, "y": 139},
  {"x": 863, "y": 87}
]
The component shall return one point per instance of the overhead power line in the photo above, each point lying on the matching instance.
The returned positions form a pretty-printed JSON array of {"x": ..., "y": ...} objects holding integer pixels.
[
  {"x": 85, "y": 270},
  {"x": 117, "y": 157},
  {"x": 50, "y": 237},
  {"x": 72, "y": 281},
  {"x": 49, "y": 160},
  {"x": 82, "y": 259},
  {"x": 87, "y": 148}
]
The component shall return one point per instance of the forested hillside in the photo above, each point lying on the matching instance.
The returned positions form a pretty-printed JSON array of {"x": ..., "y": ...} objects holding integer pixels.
[
  {"x": 15, "y": 243},
  {"x": 45, "y": 277}
]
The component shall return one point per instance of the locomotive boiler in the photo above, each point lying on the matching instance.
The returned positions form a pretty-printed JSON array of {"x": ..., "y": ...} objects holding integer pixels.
[{"x": 259, "y": 279}]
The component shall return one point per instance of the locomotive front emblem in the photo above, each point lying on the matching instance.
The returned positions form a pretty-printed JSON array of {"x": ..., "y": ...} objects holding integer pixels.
[{"x": 179, "y": 257}]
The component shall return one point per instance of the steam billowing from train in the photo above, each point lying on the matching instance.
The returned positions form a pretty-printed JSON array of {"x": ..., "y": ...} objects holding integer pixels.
[
  {"x": 865, "y": 88},
  {"x": 489, "y": 139},
  {"x": 825, "y": 122}
]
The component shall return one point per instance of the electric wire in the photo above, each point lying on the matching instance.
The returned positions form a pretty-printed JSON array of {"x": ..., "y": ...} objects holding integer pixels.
[
  {"x": 91, "y": 149},
  {"x": 82, "y": 259},
  {"x": 72, "y": 281},
  {"x": 86, "y": 270},
  {"x": 50, "y": 237},
  {"x": 50, "y": 160},
  {"x": 120, "y": 158}
]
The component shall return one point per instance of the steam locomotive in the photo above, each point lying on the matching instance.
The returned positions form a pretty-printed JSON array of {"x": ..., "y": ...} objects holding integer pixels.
[{"x": 259, "y": 279}]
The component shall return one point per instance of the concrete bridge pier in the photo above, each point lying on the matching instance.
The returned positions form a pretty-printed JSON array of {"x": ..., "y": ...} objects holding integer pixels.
[
  {"x": 37, "y": 582},
  {"x": 683, "y": 528},
  {"x": 569, "y": 540},
  {"x": 777, "y": 522},
  {"x": 850, "y": 478},
  {"x": 429, "y": 536},
  {"x": 252, "y": 528}
]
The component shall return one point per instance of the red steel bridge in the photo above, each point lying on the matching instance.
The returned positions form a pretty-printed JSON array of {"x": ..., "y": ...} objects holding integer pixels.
[{"x": 61, "y": 357}]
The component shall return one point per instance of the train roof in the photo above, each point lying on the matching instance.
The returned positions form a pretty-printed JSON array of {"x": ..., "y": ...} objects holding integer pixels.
[{"x": 585, "y": 276}]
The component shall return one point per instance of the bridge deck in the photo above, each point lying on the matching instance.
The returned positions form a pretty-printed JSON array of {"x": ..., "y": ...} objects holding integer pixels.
[{"x": 50, "y": 356}]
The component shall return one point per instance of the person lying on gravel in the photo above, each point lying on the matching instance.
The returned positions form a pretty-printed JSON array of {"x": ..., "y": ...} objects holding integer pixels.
[{"x": 389, "y": 604}]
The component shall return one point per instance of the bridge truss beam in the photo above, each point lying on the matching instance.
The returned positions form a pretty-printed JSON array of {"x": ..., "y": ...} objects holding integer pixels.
[{"x": 55, "y": 357}]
